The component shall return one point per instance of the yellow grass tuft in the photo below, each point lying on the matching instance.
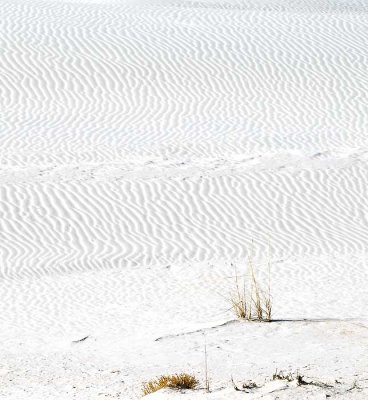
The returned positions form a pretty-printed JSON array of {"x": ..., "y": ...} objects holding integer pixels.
[{"x": 177, "y": 381}]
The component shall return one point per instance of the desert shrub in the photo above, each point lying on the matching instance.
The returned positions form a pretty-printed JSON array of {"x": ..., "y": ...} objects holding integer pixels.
[
  {"x": 252, "y": 301},
  {"x": 177, "y": 381}
]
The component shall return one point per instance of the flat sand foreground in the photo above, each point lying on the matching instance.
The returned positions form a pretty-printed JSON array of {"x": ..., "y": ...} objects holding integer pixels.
[{"x": 145, "y": 150}]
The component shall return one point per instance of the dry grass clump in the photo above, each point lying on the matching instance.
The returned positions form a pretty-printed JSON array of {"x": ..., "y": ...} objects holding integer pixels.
[
  {"x": 252, "y": 302},
  {"x": 177, "y": 381},
  {"x": 239, "y": 301}
]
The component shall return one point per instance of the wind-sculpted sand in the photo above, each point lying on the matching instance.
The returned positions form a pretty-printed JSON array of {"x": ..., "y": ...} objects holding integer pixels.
[
  {"x": 144, "y": 148},
  {"x": 80, "y": 225}
]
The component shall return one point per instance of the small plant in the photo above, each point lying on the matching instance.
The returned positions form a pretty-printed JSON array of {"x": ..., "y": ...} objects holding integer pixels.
[
  {"x": 207, "y": 381},
  {"x": 240, "y": 303},
  {"x": 281, "y": 376},
  {"x": 177, "y": 381},
  {"x": 257, "y": 298},
  {"x": 354, "y": 386},
  {"x": 299, "y": 379},
  {"x": 248, "y": 385},
  {"x": 267, "y": 300},
  {"x": 254, "y": 304}
]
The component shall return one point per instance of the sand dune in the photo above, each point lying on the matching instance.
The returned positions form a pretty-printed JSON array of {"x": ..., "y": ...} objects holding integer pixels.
[
  {"x": 82, "y": 224},
  {"x": 92, "y": 83},
  {"x": 143, "y": 147}
]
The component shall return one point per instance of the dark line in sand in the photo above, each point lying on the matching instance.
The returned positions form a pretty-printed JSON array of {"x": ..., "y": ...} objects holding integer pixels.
[{"x": 281, "y": 320}]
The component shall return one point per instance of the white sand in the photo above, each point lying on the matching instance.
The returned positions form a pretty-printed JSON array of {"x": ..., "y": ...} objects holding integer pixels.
[{"x": 142, "y": 148}]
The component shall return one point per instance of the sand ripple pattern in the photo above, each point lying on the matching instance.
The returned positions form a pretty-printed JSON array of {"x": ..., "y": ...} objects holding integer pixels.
[
  {"x": 48, "y": 227},
  {"x": 98, "y": 83},
  {"x": 183, "y": 83}
]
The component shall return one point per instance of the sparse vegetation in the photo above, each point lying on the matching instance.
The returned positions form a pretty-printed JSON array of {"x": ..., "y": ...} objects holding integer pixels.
[
  {"x": 240, "y": 303},
  {"x": 252, "y": 302},
  {"x": 354, "y": 386},
  {"x": 248, "y": 385},
  {"x": 300, "y": 379},
  {"x": 282, "y": 376},
  {"x": 207, "y": 381},
  {"x": 177, "y": 381}
]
